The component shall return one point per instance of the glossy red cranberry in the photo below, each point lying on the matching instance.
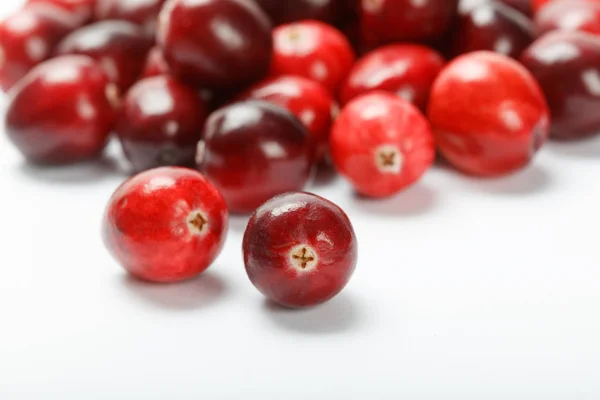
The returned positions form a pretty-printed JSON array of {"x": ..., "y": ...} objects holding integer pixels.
[
  {"x": 283, "y": 12},
  {"x": 155, "y": 64},
  {"x": 60, "y": 112},
  {"x": 143, "y": 13},
  {"x": 488, "y": 114},
  {"x": 523, "y": 6},
  {"x": 405, "y": 70},
  {"x": 165, "y": 225},
  {"x": 496, "y": 27},
  {"x": 300, "y": 249},
  {"x": 216, "y": 43},
  {"x": 119, "y": 46},
  {"x": 382, "y": 144},
  {"x": 80, "y": 11},
  {"x": 314, "y": 50},
  {"x": 536, "y": 5},
  {"x": 160, "y": 123},
  {"x": 567, "y": 66},
  {"x": 253, "y": 151},
  {"x": 574, "y": 15},
  {"x": 310, "y": 102}
]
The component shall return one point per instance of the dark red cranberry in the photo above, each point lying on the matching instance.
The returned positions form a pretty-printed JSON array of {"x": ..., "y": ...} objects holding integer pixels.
[
  {"x": 60, "y": 112},
  {"x": 80, "y": 11},
  {"x": 488, "y": 114},
  {"x": 216, "y": 43},
  {"x": 283, "y": 12},
  {"x": 155, "y": 63},
  {"x": 574, "y": 15},
  {"x": 523, "y": 6},
  {"x": 496, "y": 27},
  {"x": 314, "y": 50},
  {"x": 143, "y": 13},
  {"x": 253, "y": 151},
  {"x": 119, "y": 46},
  {"x": 310, "y": 102},
  {"x": 165, "y": 225},
  {"x": 300, "y": 249},
  {"x": 567, "y": 66},
  {"x": 406, "y": 70}
]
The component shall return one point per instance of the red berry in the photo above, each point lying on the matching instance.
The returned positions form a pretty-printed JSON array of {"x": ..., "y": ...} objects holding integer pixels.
[
  {"x": 406, "y": 70},
  {"x": 165, "y": 225},
  {"x": 155, "y": 64},
  {"x": 253, "y": 151},
  {"x": 382, "y": 144},
  {"x": 282, "y": 12},
  {"x": 60, "y": 112},
  {"x": 523, "y": 6},
  {"x": 216, "y": 43},
  {"x": 574, "y": 15},
  {"x": 80, "y": 11},
  {"x": 313, "y": 50},
  {"x": 488, "y": 114},
  {"x": 310, "y": 102},
  {"x": 160, "y": 123},
  {"x": 143, "y": 13},
  {"x": 536, "y": 5},
  {"x": 119, "y": 46},
  {"x": 300, "y": 249}
]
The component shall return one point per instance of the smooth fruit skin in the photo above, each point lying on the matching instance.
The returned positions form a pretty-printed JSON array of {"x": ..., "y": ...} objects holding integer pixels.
[
  {"x": 314, "y": 50},
  {"x": 216, "y": 44},
  {"x": 253, "y": 151},
  {"x": 381, "y": 144},
  {"x": 567, "y": 67},
  {"x": 574, "y": 15},
  {"x": 283, "y": 12},
  {"x": 80, "y": 11},
  {"x": 155, "y": 64},
  {"x": 144, "y": 13},
  {"x": 300, "y": 250},
  {"x": 488, "y": 114},
  {"x": 165, "y": 225},
  {"x": 523, "y": 6},
  {"x": 61, "y": 111},
  {"x": 405, "y": 70},
  {"x": 160, "y": 123}
]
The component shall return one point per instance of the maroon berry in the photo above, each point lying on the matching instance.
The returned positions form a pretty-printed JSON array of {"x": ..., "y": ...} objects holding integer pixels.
[
  {"x": 283, "y": 12},
  {"x": 60, "y": 112},
  {"x": 300, "y": 249},
  {"x": 155, "y": 63},
  {"x": 142, "y": 13},
  {"x": 253, "y": 151},
  {"x": 165, "y": 225},
  {"x": 573, "y": 15}
]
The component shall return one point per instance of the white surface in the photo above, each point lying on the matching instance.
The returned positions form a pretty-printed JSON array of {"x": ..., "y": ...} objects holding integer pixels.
[{"x": 465, "y": 289}]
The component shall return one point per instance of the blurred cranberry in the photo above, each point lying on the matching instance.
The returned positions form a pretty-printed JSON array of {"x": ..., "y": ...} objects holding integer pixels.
[
  {"x": 155, "y": 63},
  {"x": 523, "y": 6},
  {"x": 536, "y": 5},
  {"x": 216, "y": 43},
  {"x": 313, "y": 50},
  {"x": 567, "y": 66},
  {"x": 119, "y": 46},
  {"x": 405, "y": 70},
  {"x": 488, "y": 114},
  {"x": 80, "y": 11},
  {"x": 573, "y": 15},
  {"x": 143, "y": 13},
  {"x": 61, "y": 111},
  {"x": 282, "y": 12}
]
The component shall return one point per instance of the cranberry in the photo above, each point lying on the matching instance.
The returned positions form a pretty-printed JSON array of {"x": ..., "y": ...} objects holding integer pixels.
[
  {"x": 567, "y": 66},
  {"x": 143, "y": 13},
  {"x": 536, "y": 5},
  {"x": 488, "y": 114},
  {"x": 582, "y": 15},
  {"x": 216, "y": 43},
  {"x": 403, "y": 69},
  {"x": 60, "y": 112},
  {"x": 282, "y": 12},
  {"x": 119, "y": 46},
  {"x": 165, "y": 225},
  {"x": 300, "y": 249},
  {"x": 80, "y": 11},
  {"x": 253, "y": 151},
  {"x": 382, "y": 144},
  {"x": 307, "y": 100},
  {"x": 523, "y": 6},
  {"x": 313, "y": 50},
  {"x": 496, "y": 27},
  {"x": 155, "y": 63}
]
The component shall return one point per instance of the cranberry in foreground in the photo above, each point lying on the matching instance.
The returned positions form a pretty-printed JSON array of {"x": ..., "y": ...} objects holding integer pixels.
[
  {"x": 573, "y": 15},
  {"x": 143, "y": 13},
  {"x": 165, "y": 225},
  {"x": 253, "y": 151},
  {"x": 300, "y": 249},
  {"x": 61, "y": 112},
  {"x": 382, "y": 144},
  {"x": 488, "y": 114}
]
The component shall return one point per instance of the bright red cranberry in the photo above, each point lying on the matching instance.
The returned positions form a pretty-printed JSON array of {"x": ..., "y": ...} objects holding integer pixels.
[
  {"x": 574, "y": 15},
  {"x": 314, "y": 50},
  {"x": 382, "y": 144},
  {"x": 60, "y": 112},
  {"x": 283, "y": 12},
  {"x": 536, "y": 5},
  {"x": 165, "y": 225},
  {"x": 300, "y": 249},
  {"x": 155, "y": 64},
  {"x": 488, "y": 114},
  {"x": 496, "y": 27},
  {"x": 406, "y": 70},
  {"x": 79, "y": 10},
  {"x": 310, "y": 102},
  {"x": 216, "y": 43},
  {"x": 567, "y": 66},
  {"x": 119, "y": 46},
  {"x": 143, "y": 13},
  {"x": 253, "y": 151}
]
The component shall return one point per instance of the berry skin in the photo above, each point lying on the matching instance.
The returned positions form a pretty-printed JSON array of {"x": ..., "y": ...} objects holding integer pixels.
[
  {"x": 165, "y": 225},
  {"x": 382, "y": 144},
  {"x": 155, "y": 64},
  {"x": 573, "y": 15},
  {"x": 283, "y": 12},
  {"x": 300, "y": 249},
  {"x": 144, "y": 13},
  {"x": 488, "y": 114},
  {"x": 80, "y": 11}
]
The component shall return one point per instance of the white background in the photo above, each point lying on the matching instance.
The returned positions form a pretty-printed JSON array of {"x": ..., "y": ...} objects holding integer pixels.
[{"x": 465, "y": 289}]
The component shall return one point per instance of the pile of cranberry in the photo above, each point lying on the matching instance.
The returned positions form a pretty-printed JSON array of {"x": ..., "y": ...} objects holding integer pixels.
[{"x": 230, "y": 105}]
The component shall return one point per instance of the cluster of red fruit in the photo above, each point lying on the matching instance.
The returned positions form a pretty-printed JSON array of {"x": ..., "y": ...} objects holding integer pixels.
[{"x": 256, "y": 93}]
